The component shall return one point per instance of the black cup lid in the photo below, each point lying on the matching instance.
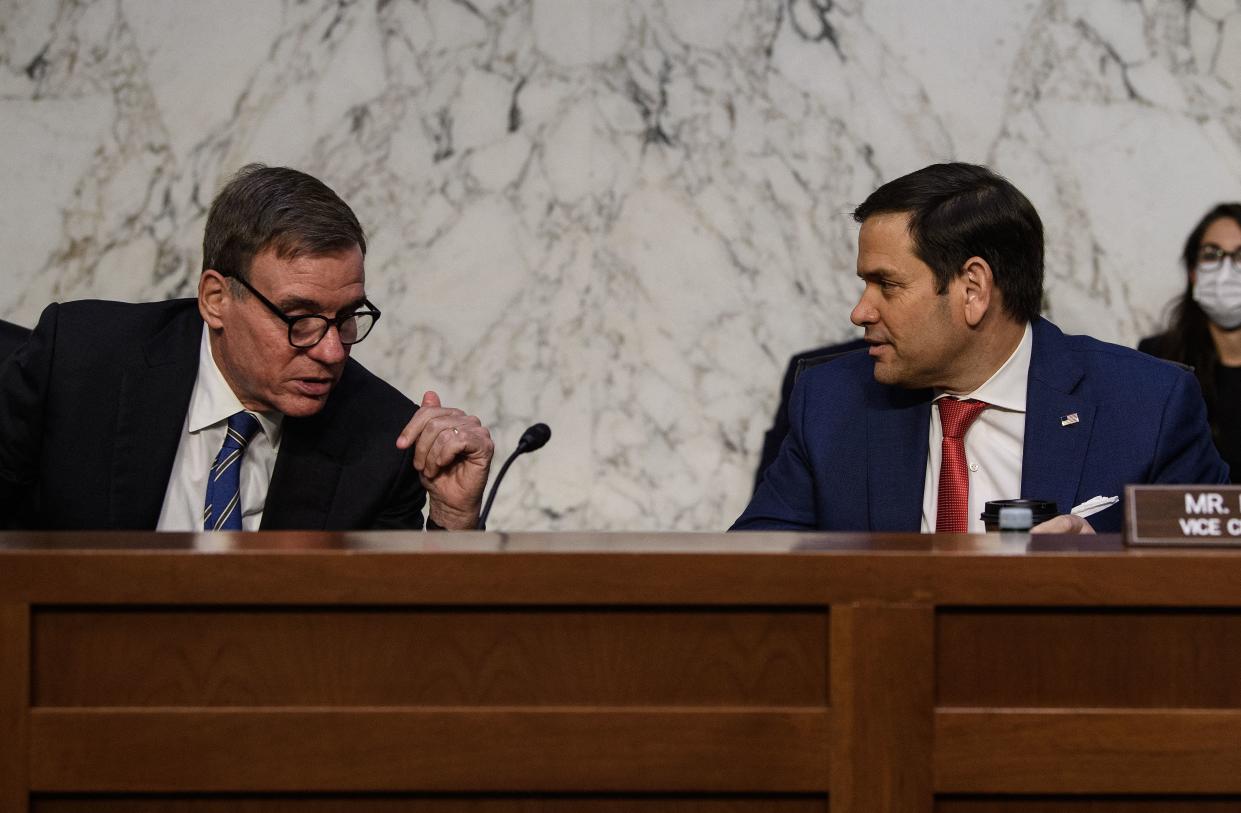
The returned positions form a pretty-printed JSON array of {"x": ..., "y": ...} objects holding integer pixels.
[{"x": 1041, "y": 510}]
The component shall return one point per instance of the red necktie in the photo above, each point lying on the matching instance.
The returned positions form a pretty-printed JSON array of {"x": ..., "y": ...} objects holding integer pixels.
[{"x": 952, "y": 508}]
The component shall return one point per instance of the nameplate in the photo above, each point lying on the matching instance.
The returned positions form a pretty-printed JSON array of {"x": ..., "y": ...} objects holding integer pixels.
[{"x": 1183, "y": 515}]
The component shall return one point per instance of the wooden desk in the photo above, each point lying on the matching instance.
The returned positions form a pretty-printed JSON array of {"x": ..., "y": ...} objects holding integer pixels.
[{"x": 618, "y": 673}]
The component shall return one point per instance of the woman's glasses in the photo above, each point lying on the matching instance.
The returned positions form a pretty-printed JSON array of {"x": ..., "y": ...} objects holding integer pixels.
[{"x": 1211, "y": 257}]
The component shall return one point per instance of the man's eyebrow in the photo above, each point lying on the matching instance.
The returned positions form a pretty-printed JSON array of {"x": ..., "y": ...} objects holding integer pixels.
[
  {"x": 311, "y": 306},
  {"x": 299, "y": 304}
]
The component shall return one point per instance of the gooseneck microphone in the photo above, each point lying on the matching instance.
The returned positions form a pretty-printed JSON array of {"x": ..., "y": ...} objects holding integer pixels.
[{"x": 533, "y": 438}]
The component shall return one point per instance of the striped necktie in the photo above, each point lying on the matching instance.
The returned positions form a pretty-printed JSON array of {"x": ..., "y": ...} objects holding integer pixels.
[{"x": 223, "y": 506}]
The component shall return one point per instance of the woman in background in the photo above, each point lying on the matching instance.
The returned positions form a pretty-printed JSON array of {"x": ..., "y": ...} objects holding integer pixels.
[{"x": 1205, "y": 329}]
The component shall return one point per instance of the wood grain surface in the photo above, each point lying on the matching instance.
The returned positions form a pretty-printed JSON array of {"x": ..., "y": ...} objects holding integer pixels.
[
  {"x": 1132, "y": 658},
  {"x": 611, "y": 569},
  {"x": 569, "y": 803},
  {"x": 1088, "y": 751},
  {"x": 14, "y": 702},
  {"x": 1088, "y": 804},
  {"x": 445, "y": 750},
  {"x": 882, "y": 699},
  {"x": 617, "y": 673},
  {"x": 429, "y": 657}
]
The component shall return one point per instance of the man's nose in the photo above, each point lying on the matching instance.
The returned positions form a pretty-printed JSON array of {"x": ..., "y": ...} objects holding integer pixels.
[
  {"x": 863, "y": 312},
  {"x": 330, "y": 349}
]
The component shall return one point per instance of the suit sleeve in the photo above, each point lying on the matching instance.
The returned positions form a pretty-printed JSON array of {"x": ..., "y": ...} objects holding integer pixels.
[
  {"x": 402, "y": 509},
  {"x": 24, "y": 380},
  {"x": 784, "y": 500},
  {"x": 1184, "y": 450}
]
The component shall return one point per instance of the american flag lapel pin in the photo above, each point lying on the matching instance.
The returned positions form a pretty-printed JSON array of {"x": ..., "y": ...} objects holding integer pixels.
[{"x": 1070, "y": 419}]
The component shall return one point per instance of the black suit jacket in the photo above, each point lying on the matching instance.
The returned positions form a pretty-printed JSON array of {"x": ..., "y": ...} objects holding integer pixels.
[
  {"x": 93, "y": 406},
  {"x": 11, "y": 338}
]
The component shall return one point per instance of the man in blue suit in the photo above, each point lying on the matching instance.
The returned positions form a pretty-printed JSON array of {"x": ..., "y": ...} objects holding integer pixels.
[{"x": 965, "y": 393}]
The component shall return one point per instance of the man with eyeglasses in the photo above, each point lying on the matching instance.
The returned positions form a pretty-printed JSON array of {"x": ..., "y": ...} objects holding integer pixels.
[{"x": 240, "y": 409}]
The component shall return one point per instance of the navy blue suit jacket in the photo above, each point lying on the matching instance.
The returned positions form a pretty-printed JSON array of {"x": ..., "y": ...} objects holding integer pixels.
[{"x": 855, "y": 457}]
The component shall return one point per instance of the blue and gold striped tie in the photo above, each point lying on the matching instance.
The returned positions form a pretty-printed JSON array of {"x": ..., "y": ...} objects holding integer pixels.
[{"x": 223, "y": 508}]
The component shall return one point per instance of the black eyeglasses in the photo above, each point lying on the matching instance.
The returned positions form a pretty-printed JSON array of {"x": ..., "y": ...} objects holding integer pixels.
[
  {"x": 1211, "y": 257},
  {"x": 308, "y": 330}
]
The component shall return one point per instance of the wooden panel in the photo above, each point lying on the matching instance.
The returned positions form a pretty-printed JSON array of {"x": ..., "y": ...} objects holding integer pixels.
[
  {"x": 1088, "y": 751},
  {"x": 543, "y": 569},
  {"x": 630, "y": 722},
  {"x": 1076, "y": 804},
  {"x": 14, "y": 705},
  {"x": 882, "y": 696},
  {"x": 433, "y": 804},
  {"x": 412, "y": 657},
  {"x": 1089, "y": 658},
  {"x": 464, "y": 750}
]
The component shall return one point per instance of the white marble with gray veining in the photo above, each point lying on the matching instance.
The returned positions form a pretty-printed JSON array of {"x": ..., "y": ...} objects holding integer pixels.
[{"x": 618, "y": 216}]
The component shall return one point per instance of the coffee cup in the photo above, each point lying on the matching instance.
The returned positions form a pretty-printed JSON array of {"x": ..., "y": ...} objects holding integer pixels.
[{"x": 1016, "y": 515}]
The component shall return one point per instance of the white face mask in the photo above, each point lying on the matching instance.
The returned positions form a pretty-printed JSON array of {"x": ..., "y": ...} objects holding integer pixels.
[{"x": 1219, "y": 294}]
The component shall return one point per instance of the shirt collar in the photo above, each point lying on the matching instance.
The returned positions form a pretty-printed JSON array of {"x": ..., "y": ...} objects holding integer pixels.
[
  {"x": 213, "y": 401},
  {"x": 1006, "y": 388}
]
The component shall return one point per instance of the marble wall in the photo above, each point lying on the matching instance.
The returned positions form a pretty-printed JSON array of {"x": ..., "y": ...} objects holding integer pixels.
[{"x": 617, "y": 216}]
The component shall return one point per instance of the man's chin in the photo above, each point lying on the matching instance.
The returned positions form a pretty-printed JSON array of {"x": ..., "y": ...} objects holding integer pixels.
[
  {"x": 887, "y": 373},
  {"x": 302, "y": 406}
]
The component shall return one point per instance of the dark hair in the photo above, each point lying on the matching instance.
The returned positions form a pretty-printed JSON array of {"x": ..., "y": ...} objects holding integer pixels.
[
  {"x": 957, "y": 211},
  {"x": 276, "y": 208},
  {"x": 1187, "y": 338}
]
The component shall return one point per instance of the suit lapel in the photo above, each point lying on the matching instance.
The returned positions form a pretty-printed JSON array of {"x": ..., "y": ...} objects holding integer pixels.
[
  {"x": 1055, "y": 442},
  {"x": 897, "y": 433},
  {"x": 153, "y": 401},
  {"x": 308, "y": 470}
]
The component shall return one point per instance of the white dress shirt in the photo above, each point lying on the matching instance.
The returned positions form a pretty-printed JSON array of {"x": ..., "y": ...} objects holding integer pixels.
[
  {"x": 212, "y": 403},
  {"x": 993, "y": 444}
]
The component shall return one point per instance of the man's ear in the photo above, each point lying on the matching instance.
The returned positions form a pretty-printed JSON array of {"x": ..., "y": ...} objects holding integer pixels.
[
  {"x": 978, "y": 287},
  {"x": 214, "y": 297}
]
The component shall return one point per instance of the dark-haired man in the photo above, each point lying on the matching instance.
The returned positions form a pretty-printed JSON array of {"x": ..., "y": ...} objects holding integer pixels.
[
  {"x": 240, "y": 409},
  {"x": 966, "y": 394}
]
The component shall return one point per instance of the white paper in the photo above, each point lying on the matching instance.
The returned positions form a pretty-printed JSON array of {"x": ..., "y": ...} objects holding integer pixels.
[{"x": 1093, "y": 506}]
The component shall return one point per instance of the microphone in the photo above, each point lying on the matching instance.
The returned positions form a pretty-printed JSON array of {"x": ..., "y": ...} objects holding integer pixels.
[{"x": 532, "y": 439}]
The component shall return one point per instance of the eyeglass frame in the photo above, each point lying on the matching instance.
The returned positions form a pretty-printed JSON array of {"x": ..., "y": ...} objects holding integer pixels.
[
  {"x": 1210, "y": 267},
  {"x": 290, "y": 321}
]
